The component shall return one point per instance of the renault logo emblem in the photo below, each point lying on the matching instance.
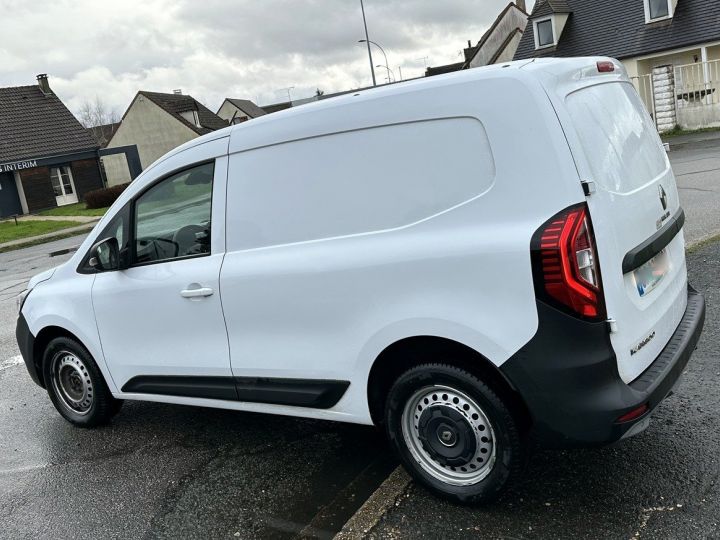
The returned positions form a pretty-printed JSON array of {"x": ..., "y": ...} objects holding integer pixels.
[{"x": 663, "y": 197}]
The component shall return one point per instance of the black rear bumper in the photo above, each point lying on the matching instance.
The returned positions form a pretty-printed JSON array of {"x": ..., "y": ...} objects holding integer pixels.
[{"x": 567, "y": 375}]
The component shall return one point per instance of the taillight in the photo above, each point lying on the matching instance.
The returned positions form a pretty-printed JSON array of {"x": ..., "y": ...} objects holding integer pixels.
[
  {"x": 605, "y": 66},
  {"x": 565, "y": 264}
]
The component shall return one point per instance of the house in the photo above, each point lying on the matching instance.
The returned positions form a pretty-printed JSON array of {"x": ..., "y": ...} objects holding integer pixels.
[
  {"x": 156, "y": 123},
  {"x": 103, "y": 133},
  {"x": 277, "y": 107},
  {"x": 645, "y": 35},
  {"x": 47, "y": 158},
  {"x": 498, "y": 43},
  {"x": 235, "y": 111}
]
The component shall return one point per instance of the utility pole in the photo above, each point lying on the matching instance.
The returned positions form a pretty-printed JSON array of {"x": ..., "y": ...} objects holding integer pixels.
[{"x": 367, "y": 39}]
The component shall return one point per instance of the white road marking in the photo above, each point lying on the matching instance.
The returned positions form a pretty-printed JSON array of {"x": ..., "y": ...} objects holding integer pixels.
[{"x": 10, "y": 362}]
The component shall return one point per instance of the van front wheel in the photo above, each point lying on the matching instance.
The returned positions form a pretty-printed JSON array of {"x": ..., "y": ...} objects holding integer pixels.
[
  {"x": 453, "y": 433},
  {"x": 75, "y": 384}
]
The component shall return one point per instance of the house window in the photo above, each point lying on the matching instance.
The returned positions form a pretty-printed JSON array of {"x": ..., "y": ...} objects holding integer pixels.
[
  {"x": 544, "y": 33},
  {"x": 657, "y": 10},
  {"x": 63, "y": 185}
]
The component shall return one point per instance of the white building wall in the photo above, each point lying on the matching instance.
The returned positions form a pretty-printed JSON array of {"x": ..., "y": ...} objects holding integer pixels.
[
  {"x": 154, "y": 132},
  {"x": 513, "y": 19},
  {"x": 228, "y": 110}
]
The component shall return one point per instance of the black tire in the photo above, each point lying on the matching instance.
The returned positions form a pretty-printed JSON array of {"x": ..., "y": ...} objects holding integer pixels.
[
  {"x": 96, "y": 405},
  {"x": 506, "y": 445}
]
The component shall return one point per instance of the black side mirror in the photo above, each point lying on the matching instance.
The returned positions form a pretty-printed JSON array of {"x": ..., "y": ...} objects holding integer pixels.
[{"x": 105, "y": 255}]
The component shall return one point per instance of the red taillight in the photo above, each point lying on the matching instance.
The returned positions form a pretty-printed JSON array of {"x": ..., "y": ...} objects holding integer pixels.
[
  {"x": 565, "y": 263},
  {"x": 605, "y": 66}
]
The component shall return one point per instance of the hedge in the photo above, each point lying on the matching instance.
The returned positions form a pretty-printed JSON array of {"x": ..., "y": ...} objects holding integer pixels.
[{"x": 102, "y": 198}]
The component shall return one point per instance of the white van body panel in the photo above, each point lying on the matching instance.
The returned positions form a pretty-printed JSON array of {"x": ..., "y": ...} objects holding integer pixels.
[
  {"x": 325, "y": 303},
  {"x": 626, "y": 207},
  {"x": 308, "y": 290}
]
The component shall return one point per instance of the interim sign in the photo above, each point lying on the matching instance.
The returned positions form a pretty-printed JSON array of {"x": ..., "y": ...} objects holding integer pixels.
[{"x": 18, "y": 165}]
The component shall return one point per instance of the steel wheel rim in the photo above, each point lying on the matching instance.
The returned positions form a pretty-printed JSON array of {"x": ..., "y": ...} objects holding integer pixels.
[
  {"x": 71, "y": 382},
  {"x": 483, "y": 458}
]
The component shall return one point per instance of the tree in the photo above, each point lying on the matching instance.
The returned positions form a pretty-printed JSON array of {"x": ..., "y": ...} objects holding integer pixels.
[{"x": 98, "y": 117}]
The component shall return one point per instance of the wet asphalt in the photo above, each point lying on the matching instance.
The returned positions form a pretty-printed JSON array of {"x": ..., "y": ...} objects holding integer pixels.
[
  {"x": 166, "y": 471},
  {"x": 664, "y": 483}
]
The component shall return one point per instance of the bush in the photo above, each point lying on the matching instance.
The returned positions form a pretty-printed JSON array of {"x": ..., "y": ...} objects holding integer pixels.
[{"x": 102, "y": 198}]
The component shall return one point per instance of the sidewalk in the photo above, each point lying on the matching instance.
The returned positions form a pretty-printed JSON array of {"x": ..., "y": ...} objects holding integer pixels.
[
  {"x": 79, "y": 219},
  {"x": 679, "y": 142}
]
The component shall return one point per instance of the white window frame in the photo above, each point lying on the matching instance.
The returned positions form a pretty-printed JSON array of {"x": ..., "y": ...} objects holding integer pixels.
[
  {"x": 537, "y": 36},
  {"x": 65, "y": 198},
  {"x": 670, "y": 14}
]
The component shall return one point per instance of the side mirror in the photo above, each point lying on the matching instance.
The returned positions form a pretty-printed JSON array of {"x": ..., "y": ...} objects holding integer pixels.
[{"x": 105, "y": 255}]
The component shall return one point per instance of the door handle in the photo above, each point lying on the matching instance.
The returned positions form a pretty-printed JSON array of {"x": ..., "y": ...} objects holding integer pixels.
[{"x": 196, "y": 293}]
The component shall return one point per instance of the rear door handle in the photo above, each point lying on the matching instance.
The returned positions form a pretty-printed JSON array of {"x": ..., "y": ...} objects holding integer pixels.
[{"x": 196, "y": 293}]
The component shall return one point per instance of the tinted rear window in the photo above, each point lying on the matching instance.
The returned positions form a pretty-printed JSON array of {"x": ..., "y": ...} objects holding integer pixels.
[{"x": 618, "y": 136}]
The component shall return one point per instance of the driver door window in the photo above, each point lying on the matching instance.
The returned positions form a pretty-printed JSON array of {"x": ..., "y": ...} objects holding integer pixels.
[{"x": 173, "y": 218}]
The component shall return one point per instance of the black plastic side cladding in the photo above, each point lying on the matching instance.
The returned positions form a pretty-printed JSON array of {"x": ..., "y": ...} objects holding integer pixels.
[{"x": 311, "y": 393}]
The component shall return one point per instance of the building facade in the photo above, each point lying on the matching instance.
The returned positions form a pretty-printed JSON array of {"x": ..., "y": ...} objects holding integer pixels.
[
  {"x": 647, "y": 36},
  {"x": 235, "y": 111},
  {"x": 47, "y": 158},
  {"x": 156, "y": 123}
]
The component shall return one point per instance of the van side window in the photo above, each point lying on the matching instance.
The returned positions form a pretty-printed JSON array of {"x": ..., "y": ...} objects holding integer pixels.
[{"x": 172, "y": 218}]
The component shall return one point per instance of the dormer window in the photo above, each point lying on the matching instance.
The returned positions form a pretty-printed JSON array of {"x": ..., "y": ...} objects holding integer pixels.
[
  {"x": 544, "y": 31},
  {"x": 659, "y": 10},
  {"x": 549, "y": 19}
]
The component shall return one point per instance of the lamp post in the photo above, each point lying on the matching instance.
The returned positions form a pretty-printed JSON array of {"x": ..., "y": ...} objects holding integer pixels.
[
  {"x": 389, "y": 72},
  {"x": 367, "y": 39}
]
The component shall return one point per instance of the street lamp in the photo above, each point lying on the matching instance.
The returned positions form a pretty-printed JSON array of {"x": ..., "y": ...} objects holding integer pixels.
[
  {"x": 368, "y": 41},
  {"x": 389, "y": 72},
  {"x": 367, "y": 38}
]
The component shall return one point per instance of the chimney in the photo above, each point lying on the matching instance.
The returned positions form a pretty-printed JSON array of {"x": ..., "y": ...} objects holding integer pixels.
[
  {"x": 177, "y": 92},
  {"x": 42, "y": 81},
  {"x": 469, "y": 51},
  {"x": 521, "y": 5}
]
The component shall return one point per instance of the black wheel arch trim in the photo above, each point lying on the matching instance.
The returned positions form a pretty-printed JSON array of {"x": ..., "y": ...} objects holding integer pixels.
[
  {"x": 309, "y": 393},
  {"x": 642, "y": 253}
]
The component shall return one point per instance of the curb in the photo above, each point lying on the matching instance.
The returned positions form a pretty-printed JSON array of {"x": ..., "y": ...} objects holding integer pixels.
[
  {"x": 372, "y": 511},
  {"x": 38, "y": 240}
]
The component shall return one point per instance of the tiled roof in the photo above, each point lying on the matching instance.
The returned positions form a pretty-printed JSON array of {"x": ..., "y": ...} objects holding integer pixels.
[
  {"x": 248, "y": 107},
  {"x": 102, "y": 134},
  {"x": 178, "y": 103},
  {"x": 617, "y": 28},
  {"x": 34, "y": 125},
  {"x": 276, "y": 107},
  {"x": 548, "y": 7}
]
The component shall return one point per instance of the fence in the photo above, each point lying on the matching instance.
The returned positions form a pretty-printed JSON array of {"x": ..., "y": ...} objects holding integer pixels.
[
  {"x": 644, "y": 86},
  {"x": 698, "y": 94}
]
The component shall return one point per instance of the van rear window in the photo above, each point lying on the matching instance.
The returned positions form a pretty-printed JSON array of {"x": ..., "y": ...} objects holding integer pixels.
[{"x": 618, "y": 136}]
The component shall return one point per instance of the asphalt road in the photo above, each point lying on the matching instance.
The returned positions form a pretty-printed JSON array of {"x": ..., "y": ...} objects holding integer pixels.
[{"x": 164, "y": 471}]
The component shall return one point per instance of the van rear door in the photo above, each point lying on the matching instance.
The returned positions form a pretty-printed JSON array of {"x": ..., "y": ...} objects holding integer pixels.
[{"x": 634, "y": 206}]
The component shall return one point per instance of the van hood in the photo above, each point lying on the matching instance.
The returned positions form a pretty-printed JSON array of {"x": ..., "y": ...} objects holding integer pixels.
[{"x": 42, "y": 276}]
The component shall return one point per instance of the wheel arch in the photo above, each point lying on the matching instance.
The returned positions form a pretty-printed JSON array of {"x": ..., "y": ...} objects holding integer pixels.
[
  {"x": 45, "y": 336},
  {"x": 409, "y": 352}
]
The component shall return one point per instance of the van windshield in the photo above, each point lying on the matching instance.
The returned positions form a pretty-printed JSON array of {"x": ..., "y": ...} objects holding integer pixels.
[{"x": 618, "y": 136}]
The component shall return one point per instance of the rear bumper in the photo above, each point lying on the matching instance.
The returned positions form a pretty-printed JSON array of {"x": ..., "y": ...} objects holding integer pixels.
[{"x": 568, "y": 377}]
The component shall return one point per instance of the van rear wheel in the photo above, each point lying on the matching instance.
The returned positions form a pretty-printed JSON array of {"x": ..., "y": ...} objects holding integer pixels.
[
  {"x": 453, "y": 433},
  {"x": 75, "y": 384}
]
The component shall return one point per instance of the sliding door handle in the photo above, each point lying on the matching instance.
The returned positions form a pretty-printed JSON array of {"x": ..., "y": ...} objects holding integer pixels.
[{"x": 196, "y": 293}]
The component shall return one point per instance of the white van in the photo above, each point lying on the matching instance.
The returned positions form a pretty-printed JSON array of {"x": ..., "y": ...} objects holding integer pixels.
[{"x": 469, "y": 261}]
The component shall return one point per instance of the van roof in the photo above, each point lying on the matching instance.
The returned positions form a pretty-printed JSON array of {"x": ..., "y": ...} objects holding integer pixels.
[{"x": 275, "y": 127}]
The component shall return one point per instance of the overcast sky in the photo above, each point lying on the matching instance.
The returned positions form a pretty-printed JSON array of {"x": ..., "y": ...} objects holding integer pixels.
[{"x": 212, "y": 49}]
